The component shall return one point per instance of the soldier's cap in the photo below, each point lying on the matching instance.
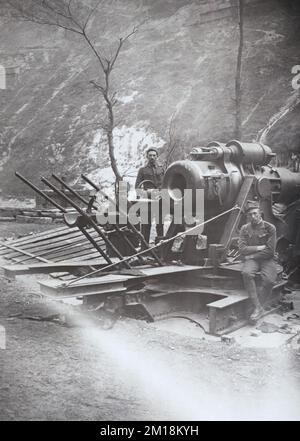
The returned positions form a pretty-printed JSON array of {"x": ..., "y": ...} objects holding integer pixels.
[
  {"x": 152, "y": 149},
  {"x": 251, "y": 205}
]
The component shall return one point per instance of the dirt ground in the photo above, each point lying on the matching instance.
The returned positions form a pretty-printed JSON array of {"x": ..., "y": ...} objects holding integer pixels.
[{"x": 138, "y": 370}]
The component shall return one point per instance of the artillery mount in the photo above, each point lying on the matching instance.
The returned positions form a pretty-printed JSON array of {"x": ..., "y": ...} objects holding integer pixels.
[{"x": 193, "y": 276}]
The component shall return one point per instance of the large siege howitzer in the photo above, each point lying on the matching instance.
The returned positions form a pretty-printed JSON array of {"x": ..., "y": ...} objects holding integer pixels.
[
  {"x": 231, "y": 175},
  {"x": 201, "y": 279}
]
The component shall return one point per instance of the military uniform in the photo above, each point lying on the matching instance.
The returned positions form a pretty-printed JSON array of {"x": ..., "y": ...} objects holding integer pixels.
[
  {"x": 155, "y": 174},
  {"x": 250, "y": 238}
]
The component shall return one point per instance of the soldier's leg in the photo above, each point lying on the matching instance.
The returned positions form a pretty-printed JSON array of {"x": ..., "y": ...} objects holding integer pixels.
[
  {"x": 146, "y": 228},
  {"x": 250, "y": 268},
  {"x": 160, "y": 222},
  {"x": 268, "y": 276}
]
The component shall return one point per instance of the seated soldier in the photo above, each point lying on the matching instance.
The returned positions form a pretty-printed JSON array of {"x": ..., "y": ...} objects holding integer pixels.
[{"x": 257, "y": 246}]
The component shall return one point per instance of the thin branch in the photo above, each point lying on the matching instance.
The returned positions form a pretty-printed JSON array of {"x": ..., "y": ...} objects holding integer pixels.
[
  {"x": 72, "y": 15},
  {"x": 97, "y": 86},
  {"x": 30, "y": 17},
  {"x": 121, "y": 42},
  {"x": 112, "y": 62},
  {"x": 90, "y": 14},
  {"x": 92, "y": 46},
  {"x": 55, "y": 11},
  {"x": 44, "y": 22}
]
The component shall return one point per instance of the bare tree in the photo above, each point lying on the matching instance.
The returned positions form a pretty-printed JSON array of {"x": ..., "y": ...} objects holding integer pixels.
[
  {"x": 238, "y": 76},
  {"x": 75, "y": 17}
]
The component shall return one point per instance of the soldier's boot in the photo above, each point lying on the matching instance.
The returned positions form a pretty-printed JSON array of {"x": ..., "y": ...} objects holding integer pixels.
[
  {"x": 251, "y": 289},
  {"x": 257, "y": 313},
  {"x": 258, "y": 309}
]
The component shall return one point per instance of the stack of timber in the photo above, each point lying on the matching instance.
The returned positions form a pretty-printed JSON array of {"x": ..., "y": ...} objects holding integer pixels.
[{"x": 57, "y": 250}]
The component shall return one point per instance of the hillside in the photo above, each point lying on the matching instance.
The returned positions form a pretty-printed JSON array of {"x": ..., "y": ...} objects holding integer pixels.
[{"x": 179, "y": 66}]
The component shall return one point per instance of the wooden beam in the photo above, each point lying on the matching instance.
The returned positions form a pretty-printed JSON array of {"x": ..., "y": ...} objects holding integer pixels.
[
  {"x": 19, "y": 269},
  {"x": 24, "y": 252},
  {"x": 94, "y": 285}
]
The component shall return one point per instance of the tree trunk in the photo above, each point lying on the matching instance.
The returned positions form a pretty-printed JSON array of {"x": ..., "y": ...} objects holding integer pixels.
[
  {"x": 110, "y": 141},
  {"x": 110, "y": 128},
  {"x": 238, "y": 78}
]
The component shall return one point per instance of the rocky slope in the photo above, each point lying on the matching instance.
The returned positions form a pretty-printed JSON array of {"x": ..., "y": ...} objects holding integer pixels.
[{"x": 179, "y": 66}]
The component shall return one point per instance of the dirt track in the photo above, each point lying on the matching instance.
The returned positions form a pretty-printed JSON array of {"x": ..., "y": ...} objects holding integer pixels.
[{"x": 136, "y": 371}]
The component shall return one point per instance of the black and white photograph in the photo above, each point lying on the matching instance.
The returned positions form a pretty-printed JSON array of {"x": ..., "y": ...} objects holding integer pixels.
[{"x": 149, "y": 213}]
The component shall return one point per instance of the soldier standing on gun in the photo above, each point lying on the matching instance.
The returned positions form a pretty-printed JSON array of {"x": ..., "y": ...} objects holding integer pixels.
[{"x": 257, "y": 246}]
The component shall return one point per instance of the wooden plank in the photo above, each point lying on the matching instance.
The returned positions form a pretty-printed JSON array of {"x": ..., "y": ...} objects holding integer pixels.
[
  {"x": 77, "y": 292},
  {"x": 79, "y": 250},
  {"x": 41, "y": 236},
  {"x": 231, "y": 299},
  {"x": 58, "y": 241},
  {"x": 25, "y": 252},
  {"x": 65, "y": 243},
  {"x": 49, "y": 234},
  {"x": 29, "y": 260},
  {"x": 78, "y": 256},
  {"x": 19, "y": 269},
  {"x": 55, "y": 241},
  {"x": 89, "y": 257},
  {"x": 37, "y": 250},
  {"x": 64, "y": 250},
  {"x": 61, "y": 241},
  {"x": 97, "y": 284},
  {"x": 103, "y": 293},
  {"x": 31, "y": 236}
]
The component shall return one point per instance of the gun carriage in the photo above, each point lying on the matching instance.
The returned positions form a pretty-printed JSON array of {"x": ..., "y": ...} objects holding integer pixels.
[{"x": 193, "y": 276}]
